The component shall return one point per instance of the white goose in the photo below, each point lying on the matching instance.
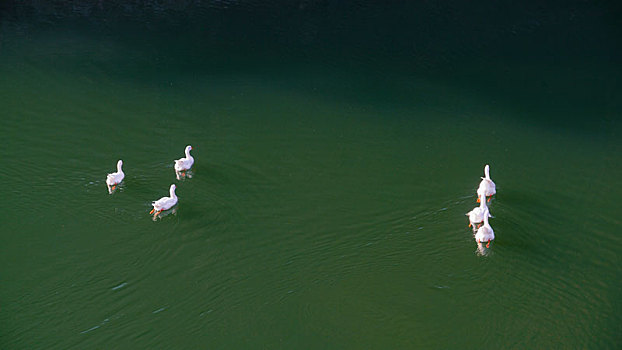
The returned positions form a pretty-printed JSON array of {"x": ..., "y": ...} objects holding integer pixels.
[
  {"x": 485, "y": 233},
  {"x": 113, "y": 179},
  {"x": 476, "y": 215},
  {"x": 183, "y": 164},
  {"x": 487, "y": 187},
  {"x": 164, "y": 203}
]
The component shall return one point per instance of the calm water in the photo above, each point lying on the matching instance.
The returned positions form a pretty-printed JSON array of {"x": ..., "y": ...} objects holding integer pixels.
[{"x": 337, "y": 148}]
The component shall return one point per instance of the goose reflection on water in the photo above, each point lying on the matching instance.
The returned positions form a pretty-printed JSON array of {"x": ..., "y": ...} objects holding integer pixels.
[
  {"x": 182, "y": 175},
  {"x": 165, "y": 213},
  {"x": 483, "y": 249}
]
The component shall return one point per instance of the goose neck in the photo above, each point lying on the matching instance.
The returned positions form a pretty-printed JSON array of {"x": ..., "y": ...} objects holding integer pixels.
[{"x": 482, "y": 202}]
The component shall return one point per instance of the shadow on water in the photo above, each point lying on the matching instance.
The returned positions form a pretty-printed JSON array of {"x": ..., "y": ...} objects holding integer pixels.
[
  {"x": 164, "y": 214},
  {"x": 410, "y": 42}
]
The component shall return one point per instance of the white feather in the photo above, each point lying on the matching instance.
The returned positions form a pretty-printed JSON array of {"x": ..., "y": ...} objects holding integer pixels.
[
  {"x": 477, "y": 214},
  {"x": 485, "y": 233},
  {"x": 487, "y": 187},
  {"x": 165, "y": 203},
  {"x": 116, "y": 177},
  {"x": 183, "y": 164}
]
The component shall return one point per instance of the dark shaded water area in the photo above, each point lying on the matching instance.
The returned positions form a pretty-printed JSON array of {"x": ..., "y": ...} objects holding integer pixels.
[{"x": 338, "y": 146}]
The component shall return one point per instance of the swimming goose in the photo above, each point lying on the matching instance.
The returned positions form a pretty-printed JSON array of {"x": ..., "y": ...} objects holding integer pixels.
[
  {"x": 487, "y": 187},
  {"x": 485, "y": 233},
  {"x": 164, "y": 203},
  {"x": 183, "y": 164},
  {"x": 476, "y": 215},
  {"x": 113, "y": 179}
]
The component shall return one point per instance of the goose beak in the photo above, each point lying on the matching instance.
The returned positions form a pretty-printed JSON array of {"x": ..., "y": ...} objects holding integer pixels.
[{"x": 478, "y": 200}]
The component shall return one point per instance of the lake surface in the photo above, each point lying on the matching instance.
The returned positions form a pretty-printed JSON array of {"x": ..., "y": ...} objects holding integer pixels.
[{"x": 337, "y": 148}]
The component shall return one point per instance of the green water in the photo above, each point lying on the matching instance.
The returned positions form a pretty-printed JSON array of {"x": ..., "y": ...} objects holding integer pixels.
[{"x": 334, "y": 164}]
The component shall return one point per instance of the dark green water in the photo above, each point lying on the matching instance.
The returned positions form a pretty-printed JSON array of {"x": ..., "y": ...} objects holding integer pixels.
[{"x": 337, "y": 147}]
